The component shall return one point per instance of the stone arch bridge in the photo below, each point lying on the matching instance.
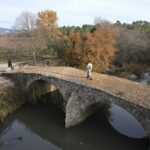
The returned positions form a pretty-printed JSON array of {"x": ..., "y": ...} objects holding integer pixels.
[{"x": 80, "y": 94}]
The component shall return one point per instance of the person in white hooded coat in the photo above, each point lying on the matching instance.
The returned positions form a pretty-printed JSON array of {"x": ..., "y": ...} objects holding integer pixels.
[{"x": 89, "y": 70}]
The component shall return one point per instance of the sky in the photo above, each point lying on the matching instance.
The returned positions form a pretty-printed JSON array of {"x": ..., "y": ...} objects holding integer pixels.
[{"x": 77, "y": 12}]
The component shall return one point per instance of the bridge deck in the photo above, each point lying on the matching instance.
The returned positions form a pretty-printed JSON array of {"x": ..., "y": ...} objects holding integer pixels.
[{"x": 131, "y": 91}]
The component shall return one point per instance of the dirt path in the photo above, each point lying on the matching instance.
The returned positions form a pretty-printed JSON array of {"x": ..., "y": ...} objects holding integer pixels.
[{"x": 129, "y": 90}]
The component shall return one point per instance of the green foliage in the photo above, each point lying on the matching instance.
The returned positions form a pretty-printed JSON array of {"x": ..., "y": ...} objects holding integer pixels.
[
  {"x": 142, "y": 25},
  {"x": 67, "y": 30}
]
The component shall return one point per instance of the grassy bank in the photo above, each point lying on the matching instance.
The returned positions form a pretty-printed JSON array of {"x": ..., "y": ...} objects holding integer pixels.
[{"x": 11, "y": 98}]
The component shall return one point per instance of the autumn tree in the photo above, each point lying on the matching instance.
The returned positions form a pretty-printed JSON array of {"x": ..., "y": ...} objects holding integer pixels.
[
  {"x": 105, "y": 38},
  {"x": 47, "y": 22},
  {"x": 96, "y": 47},
  {"x": 47, "y": 18}
]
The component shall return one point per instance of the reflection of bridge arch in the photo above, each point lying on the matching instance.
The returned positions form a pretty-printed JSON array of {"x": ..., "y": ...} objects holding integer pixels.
[
  {"x": 79, "y": 103},
  {"x": 79, "y": 96}
]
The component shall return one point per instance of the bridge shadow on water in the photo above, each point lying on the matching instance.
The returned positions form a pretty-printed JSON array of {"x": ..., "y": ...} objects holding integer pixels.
[{"x": 42, "y": 126}]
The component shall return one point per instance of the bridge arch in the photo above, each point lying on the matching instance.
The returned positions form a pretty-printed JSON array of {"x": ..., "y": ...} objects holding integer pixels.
[
  {"x": 40, "y": 85},
  {"x": 88, "y": 99}
]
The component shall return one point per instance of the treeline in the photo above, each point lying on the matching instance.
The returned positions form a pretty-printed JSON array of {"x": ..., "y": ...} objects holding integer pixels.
[
  {"x": 66, "y": 30},
  {"x": 140, "y": 25},
  {"x": 136, "y": 25},
  {"x": 132, "y": 46},
  {"x": 106, "y": 45}
]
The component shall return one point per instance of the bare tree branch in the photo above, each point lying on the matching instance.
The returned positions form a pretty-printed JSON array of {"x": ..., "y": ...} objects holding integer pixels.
[{"x": 25, "y": 22}]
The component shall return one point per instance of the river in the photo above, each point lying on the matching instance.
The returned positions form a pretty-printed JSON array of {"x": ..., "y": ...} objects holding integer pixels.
[{"x": 41, "y": 127}]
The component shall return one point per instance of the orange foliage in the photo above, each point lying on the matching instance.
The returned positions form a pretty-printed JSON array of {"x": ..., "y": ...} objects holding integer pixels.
[
  {"x": 99, "y": 48},
  {"x": 96, "y": 47},
  {"x": 47, "y": 18},
  {"x": 47, "y": 23}
]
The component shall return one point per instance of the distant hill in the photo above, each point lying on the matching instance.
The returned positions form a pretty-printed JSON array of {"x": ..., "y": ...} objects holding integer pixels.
[{"x": 5, "y": 30}]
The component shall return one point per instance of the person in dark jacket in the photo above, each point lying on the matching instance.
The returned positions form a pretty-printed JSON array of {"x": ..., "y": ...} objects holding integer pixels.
[{"x": 10, "y": 63}]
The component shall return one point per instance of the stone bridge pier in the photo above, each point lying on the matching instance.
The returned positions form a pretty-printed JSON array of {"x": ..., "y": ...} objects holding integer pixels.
[{"x": 81, "y": 100}]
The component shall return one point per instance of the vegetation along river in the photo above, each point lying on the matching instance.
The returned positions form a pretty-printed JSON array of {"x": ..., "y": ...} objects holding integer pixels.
[{"x": 41, "y": 127}]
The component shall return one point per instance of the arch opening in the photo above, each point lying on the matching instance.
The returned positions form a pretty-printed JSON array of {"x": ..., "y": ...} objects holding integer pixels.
[{"x": 41, "y": 91}]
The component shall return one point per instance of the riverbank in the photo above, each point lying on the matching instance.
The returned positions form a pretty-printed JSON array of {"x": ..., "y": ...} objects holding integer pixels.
[
  {"x": 141, "y": 74},
  {"x": 11, "y": 97}
]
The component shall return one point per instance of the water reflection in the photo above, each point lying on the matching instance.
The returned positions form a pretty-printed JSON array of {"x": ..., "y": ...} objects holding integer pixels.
[
  {"x": 42, "y": 128},
  {"x": 125, "y": 123},
  {"x": 18, "y": 136}
]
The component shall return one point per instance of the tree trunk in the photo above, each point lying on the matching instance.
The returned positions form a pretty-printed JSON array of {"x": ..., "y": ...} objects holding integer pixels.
[{"x": 34, "y": 58}]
